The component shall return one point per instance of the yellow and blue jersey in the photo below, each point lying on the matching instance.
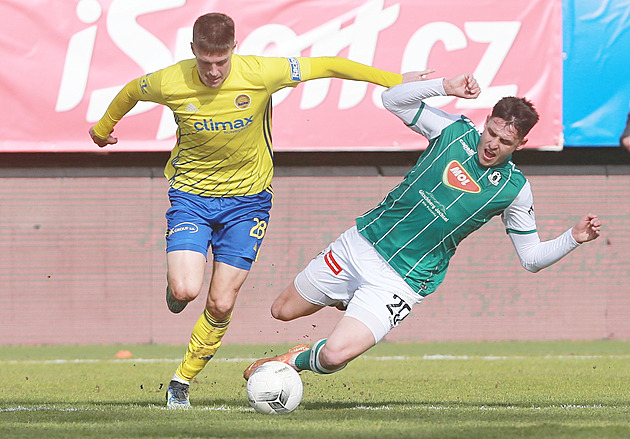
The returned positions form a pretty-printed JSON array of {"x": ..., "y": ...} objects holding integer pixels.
[{"x": 224, "y": 143}]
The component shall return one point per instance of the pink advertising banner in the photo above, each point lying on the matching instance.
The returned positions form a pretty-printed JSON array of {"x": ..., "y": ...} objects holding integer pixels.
[{"x": 63, "y": 62}]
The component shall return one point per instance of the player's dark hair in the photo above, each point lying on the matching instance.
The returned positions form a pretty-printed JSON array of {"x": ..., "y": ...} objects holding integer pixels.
[
  {"x": 213, "y": 33},
  {"x": 518, "y": 112}
]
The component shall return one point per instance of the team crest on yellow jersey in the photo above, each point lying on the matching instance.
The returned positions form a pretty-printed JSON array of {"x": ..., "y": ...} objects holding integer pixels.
[
  {"x": 455, "y": 176},
  {"x": 242, "y": 101}
]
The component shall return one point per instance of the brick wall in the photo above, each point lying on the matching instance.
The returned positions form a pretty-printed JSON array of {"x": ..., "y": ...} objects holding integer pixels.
[{"x": 82, "y": 262}]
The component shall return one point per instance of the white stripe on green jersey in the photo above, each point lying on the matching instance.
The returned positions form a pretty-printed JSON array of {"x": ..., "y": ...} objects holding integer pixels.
[{"x": 446, "y": 196}]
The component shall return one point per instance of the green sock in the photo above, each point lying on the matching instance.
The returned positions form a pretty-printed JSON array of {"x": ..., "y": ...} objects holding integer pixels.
[
  {"x": 308, "y": 360},
  {"x": 302, "y": 361}
]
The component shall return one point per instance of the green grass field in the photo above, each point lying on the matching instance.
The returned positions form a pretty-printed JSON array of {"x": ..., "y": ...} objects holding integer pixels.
[{"x": 451, "y": 390}]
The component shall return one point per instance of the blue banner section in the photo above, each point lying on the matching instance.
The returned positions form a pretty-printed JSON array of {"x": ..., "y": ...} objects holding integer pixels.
[{"x": 596, "y": 89}]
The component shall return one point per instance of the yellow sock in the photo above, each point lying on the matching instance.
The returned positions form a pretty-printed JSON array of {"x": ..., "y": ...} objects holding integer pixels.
[{"x": 204, "y": 342}]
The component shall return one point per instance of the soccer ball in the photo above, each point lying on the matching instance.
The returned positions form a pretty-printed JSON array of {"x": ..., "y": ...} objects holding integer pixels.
[{"x": 274, "y": 388}]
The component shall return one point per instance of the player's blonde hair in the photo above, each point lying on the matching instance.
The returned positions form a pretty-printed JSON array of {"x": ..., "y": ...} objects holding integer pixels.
[{"x": 213, "y": 33}]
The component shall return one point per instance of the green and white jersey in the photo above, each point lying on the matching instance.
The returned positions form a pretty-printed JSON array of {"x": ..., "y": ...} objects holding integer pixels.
[{"x": 446, "y": 196}]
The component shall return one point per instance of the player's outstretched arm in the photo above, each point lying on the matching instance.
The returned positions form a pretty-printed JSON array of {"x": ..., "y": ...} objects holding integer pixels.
[
  {"x": 587, "y": 229},
  {"x": 536, "y": 255},
  {"x": 404, "y": 100},
  {"x": 125, "y": 100}
]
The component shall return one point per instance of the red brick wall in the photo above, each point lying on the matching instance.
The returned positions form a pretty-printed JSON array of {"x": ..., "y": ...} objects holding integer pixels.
[{"x": 82, "y": 261}]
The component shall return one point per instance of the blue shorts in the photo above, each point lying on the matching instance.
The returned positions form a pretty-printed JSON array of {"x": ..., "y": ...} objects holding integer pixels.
[{"x": 233, "y": 226}]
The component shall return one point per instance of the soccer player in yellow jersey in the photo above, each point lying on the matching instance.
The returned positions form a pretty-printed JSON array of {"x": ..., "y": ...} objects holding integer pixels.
[{"x": 220, "y": 169}]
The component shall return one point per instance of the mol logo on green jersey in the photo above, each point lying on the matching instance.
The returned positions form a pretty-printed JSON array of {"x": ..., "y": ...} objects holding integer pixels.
[{"x": 455, "y": 176}]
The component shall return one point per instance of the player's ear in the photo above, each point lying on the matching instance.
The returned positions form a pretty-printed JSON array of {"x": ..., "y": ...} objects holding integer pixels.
[{"x": 522, "y": 144}]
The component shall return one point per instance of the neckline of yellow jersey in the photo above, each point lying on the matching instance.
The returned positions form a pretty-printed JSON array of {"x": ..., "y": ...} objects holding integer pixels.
[{"x": 197, "y": 80}]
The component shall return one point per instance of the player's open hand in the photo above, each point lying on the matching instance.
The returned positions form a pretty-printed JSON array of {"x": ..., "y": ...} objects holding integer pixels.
[
  {"x": 587, "y": 228},
  {"x": 102, "y": 142}
]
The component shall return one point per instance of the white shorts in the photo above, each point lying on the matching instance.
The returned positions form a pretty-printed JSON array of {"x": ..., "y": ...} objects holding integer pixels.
[{"x": 350, "y": 271}]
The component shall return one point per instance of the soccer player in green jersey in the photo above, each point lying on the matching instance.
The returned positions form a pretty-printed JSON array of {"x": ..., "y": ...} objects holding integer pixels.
[
  {"x": 399, "y": 251},
  {"x": 220, "y": 169}
]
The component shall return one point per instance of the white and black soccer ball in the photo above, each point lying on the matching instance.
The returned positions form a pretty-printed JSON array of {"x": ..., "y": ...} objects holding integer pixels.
[{"x": 274, "y": 388}]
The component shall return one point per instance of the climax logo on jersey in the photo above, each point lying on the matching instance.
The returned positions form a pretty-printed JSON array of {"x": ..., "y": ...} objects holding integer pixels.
[
  {"x": 226, "y": 126},
  {"x": 455, "y": 176}
]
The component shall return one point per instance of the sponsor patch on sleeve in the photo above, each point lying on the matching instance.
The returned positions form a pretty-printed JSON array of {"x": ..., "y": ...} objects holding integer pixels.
[{"x": 296, "y": 73}]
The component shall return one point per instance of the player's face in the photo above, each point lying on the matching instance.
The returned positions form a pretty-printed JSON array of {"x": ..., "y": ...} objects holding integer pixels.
[
  {"x": 498, "y": 141},
  {"x": 213, "y": 68}
]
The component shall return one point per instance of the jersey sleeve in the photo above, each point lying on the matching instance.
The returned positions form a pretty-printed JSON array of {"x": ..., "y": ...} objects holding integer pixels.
[
  {"x": 519, "y": 217},
  {"x": 406, "y": 102},
  {"x": 145, "y": 88},
  {"x": 520, "y": 223},
  {"x": 535, "y": 254},
  {"x": 338, "y": 67}
]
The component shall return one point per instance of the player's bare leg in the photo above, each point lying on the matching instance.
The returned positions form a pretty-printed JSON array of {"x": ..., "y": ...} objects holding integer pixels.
[
  {"x": 225, "y": 284},
  {"x": 185, "y": 277},
  {"x": 326, "y": 356},
  {"x": 347, "y": 341},
  {"x": 290, "y": 305},
  {"x": 206, "y": 336}
]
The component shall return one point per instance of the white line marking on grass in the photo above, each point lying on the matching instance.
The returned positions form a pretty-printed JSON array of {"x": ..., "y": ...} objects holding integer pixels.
[
  {"x": 486, "y": 408},
  {"x": 86, "y": 360},
  {"x": 19, "y": 408},
  {"x": 437, "y": 357},
  {"x": 440, "y": 357},
  {"x": 224, "y": 408},
  {"x": 220, "y": 408},
  {"x": 116, "y": 360}
]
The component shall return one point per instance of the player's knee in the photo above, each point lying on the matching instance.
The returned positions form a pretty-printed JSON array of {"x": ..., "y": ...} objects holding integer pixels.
[
  {"x": 183, "y": 292},
  {"x": 278, "y": 313},
  {"x": 282, "y": 310},
  {"x": 332, "y": 358},
  {"x": 221, "y": 311},
  {"x": 221, "y": 308}
]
